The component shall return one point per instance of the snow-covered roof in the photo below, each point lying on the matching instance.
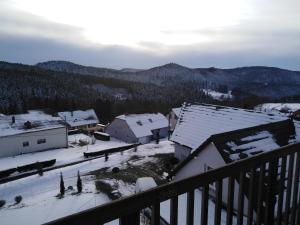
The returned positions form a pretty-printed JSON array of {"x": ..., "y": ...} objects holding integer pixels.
[
  {"x": 38, "y": 120},
  {"x": 79, "y": 117},
  {"x": 143, "y": 124},
  {"x": 242, "y": 144},
  {"x": 176, "y": 111},
  {"x": 282, "y": 107},
  {"x": 198, "y": 122}
]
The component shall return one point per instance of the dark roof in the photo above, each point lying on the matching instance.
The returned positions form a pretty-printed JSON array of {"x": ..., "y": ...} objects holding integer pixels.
[{"x": 238, "y": 144}]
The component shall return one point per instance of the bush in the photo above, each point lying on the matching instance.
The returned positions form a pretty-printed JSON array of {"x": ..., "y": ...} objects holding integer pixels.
[
  {"x": 70, "y": 188},
  {"x": 18, "y": 199},
  {"x": 2, "y": 203},
  {"x": 116, "y": 170}
]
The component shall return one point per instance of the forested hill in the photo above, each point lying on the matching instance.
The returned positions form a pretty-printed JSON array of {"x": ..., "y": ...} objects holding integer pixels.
[
  {"x": 271, "y": 82},
  {"x": 60, "y": 86},
  {"x": 24, "y": 87}
]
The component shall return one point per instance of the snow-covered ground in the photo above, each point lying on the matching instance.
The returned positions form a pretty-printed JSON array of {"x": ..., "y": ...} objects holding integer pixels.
[
  {"x": 218, "y": 95},
  {"x": 284, "y": 107},
  {"x": 62, "y": 155},
  {"x": 39, "y": 203}
]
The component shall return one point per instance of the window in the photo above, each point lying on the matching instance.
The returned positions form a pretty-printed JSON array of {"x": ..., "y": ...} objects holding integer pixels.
[
  {"x": 25, "y": 143},
  {"x": 150, "y": 120},
  {"x": 41, "y": 141}
]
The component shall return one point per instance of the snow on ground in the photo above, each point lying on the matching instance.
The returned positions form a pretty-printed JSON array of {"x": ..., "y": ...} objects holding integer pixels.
[
  {"x": 218, "y": 95},
  {"x": 62, "y": 155},
  {"x": 39, "y": 202},
  {"x": 270, "y": 107}
]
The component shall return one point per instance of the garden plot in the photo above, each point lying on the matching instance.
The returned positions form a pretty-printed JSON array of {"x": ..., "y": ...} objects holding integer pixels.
[{"x": 40, "y": 204}]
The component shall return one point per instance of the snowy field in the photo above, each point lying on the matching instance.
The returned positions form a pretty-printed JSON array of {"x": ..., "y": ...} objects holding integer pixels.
[
  {"x": 218, "y": 95},
  {"x": 39, "y": 203},
  {"x": 62, "y": 155}
]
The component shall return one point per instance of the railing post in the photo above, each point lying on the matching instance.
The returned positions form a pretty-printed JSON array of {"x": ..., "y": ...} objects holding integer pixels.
[
  {"x": 155, "y": 214},
  {"x": 270, "y": 197},
  {"x": 190, "y": 208},
  {"x": 132, "y": 219}
]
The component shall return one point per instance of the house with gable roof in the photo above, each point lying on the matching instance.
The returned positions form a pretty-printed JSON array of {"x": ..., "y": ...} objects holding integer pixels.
[
  {"x": 138, "y": 128},
  {"x": 224, "y": 148},
  {"x": 197, "y": 122},
  {"x": 80, "y": 119}
]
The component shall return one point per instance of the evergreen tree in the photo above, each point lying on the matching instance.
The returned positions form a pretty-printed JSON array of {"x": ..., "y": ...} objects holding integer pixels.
[
  {"x": 62, "y": 185},
  {"x": 79, "y": 183}
]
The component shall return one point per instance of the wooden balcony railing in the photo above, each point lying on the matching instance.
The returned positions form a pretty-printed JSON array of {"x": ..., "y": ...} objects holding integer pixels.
[{"x": 269, "y": 181}]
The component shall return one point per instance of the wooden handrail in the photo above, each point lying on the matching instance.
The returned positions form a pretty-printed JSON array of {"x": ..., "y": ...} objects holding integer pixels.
[{"x": 133, "y": 204}]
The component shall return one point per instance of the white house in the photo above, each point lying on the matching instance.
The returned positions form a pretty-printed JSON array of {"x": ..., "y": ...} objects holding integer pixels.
[
  {"x": 173, "y": 117},
  {"x": 31, "y": 132},
  {"x": 197, "y": 123},
  {"x": 221, "y": 149},
  {"x": 141, "y": 128},
  {"x": 80, "y": 119}
]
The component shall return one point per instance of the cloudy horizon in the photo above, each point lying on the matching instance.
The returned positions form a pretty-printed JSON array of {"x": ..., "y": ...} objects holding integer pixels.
[{"x": 143, "y": 34}]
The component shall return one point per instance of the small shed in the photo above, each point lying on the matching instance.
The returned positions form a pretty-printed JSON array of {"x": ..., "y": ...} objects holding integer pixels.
[
  {"x": 138, "y": 128},
  {"x": 144, "y": 184}
]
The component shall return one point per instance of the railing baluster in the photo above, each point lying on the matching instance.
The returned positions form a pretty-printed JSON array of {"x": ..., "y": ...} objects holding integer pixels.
[
  {"x": 155, "y": 215},
  {"x": 295, "y": 190},
  {"x": 260, "y": 194},
  {"x": 281, "y": 189},
  {"x": 174, "y": 211},
  {"x": 270, "y": 200},
  {"x": 218, "y": 205},
  {"x": 240, "y": 212},
  {"x": 230, "y": 198},
  {"x": 204, "y": 205},
  {"x": 298, "y": 211},
  {"x": 289, "y": 189},
  {"x": 250, "y": 197},
  {"x": 190, "y": 208},
  {"x": 132, "y": 219}
]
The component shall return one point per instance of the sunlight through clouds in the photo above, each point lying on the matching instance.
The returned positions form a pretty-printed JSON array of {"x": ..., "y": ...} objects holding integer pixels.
[{"x": 129, "y": 23}]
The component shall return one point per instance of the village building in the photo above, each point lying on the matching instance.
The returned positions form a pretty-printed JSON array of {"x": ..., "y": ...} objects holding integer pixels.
[
  {"x": 292, "y": 109},
  {"x": 198, "y": 122},
  {"x": 224, "y": 148},
  {"x": 31, "y": 132},
  {"x": 173, "y": 117},
  {"x": 138, "y": 128},
  {"x": 80, "y": 120}
]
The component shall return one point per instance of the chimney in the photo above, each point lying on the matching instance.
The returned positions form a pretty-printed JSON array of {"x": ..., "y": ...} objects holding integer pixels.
[
  {"x": 13, "y": 119},
  {"x": 72, "y": 113}
]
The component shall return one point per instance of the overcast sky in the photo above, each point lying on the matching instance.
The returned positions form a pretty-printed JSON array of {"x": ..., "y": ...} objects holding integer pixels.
[{"x": 143, "y": 34}]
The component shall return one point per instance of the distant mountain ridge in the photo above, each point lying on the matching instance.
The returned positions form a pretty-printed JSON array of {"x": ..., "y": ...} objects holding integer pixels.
[{"x": 258, "y": 80}]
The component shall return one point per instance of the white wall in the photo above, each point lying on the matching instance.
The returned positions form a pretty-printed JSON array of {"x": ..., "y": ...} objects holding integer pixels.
[
  {"x": 173, "y": 120},
  {"x": 13, "y": 145},
  {"x": 211, "y": 157},
  {"x": 120, "y": 130},
  {"x": 181, "y": 152}
]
